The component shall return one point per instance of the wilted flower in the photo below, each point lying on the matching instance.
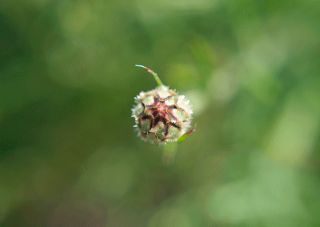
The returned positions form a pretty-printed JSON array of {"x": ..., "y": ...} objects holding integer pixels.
[{"x": 161, "y": 115}]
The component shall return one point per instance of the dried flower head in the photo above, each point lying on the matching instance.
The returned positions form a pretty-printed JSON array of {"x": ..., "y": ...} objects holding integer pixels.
[{"x": 161, "y": 115}]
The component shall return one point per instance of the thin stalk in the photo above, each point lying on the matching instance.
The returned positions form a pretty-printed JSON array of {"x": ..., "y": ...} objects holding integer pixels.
[
  {"x": 169, "y": 153},
  {"x": 154, "y": 74}
]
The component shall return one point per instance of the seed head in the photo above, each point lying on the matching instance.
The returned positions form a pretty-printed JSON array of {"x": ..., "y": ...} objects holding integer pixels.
[{"x": 161, "y": 115}]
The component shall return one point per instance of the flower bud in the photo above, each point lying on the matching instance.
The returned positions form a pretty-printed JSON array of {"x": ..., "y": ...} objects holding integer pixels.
[{"x": 161, "y": 115}]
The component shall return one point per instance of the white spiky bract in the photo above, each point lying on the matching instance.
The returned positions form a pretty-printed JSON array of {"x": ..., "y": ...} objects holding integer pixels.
[{"x": 161, "y": 115}]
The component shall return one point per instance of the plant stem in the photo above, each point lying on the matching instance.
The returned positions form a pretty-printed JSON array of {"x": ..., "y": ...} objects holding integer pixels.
[{"x": 154, "y": 74}]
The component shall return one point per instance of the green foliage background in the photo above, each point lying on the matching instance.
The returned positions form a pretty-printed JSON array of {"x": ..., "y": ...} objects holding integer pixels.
[{"x": 68, "y": 152}]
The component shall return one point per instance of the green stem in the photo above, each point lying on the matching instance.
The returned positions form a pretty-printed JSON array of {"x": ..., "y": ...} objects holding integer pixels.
[
  {"x": 154, "y": 74},
  {"x": 169, "y": 153}
]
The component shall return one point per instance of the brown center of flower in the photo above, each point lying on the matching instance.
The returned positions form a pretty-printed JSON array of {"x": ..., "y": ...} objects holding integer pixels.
[{"x": 161, "y": 112}]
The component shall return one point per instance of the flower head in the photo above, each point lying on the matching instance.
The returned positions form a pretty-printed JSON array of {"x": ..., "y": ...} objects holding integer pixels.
[{"x": 161, "y": 115}]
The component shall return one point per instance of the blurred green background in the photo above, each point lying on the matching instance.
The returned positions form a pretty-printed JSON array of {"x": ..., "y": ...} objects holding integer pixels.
[{"x": 68, "y": 152}]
